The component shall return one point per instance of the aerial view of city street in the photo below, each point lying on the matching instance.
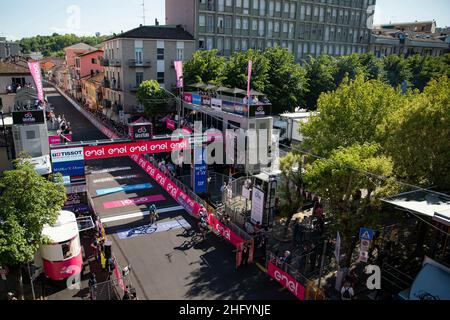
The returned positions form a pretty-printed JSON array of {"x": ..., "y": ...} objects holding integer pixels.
[{"x": 225, "y": 150}]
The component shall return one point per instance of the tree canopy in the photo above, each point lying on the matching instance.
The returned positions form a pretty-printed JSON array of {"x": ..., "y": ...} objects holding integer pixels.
[
  {"x": 205, "y": 66},
  {"x": 27, "y": 203},
  {"x": 417, "y": 136},
  {"x": 153, "y": 98},
  {"x": 287, "y": 82},
  {"x": 350, "y": 115},
  {"x": 51, "y": 46},
  {"x": 236, "y": 70},
  {"x": 352, "y": 195}
]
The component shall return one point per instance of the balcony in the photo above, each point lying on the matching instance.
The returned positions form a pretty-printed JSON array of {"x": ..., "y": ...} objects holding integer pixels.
[
  {"x": 133, "y": 88},
  {"x": 104, "y": 63},
  {"x": 133, "y": 63},
  {"x": 106, "y": 84},
  {"x": 106, "y": 104},
  {"x": 115, "y": 63}
]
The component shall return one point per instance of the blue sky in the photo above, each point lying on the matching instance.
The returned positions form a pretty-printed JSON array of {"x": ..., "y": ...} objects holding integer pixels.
[{"x": 27, "y": 18}]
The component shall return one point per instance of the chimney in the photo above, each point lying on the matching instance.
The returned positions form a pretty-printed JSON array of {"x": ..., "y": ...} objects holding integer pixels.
[{"x": 156, "y": 22}]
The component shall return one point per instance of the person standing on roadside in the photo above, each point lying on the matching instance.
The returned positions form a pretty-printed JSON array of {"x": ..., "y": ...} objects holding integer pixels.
[{"x": 347, "y": 292}]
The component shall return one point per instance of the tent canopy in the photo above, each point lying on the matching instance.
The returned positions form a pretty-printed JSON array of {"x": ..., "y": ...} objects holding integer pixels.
[
  {"x": 431, "y": 282},
  {"x": 199, "y": 85},
  {"x": 256, "y": 93}
]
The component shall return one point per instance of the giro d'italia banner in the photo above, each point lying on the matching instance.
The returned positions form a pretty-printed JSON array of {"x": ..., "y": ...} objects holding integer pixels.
[{"x": 35, "y": 70}]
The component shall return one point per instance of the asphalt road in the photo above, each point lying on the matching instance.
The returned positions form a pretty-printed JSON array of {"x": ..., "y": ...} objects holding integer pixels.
[{"x": 167, "y": 264}]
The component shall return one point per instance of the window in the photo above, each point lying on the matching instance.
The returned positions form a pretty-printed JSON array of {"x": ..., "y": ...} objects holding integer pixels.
[
  {"x": 94, "y": 61},
  {"x": 66, "y": 250},
  {"x": 278, "y": 6},
  {"x": 220, "y": 44},
  {"x": 201, "y": 21},
  {"x": 31, "y": 135},
  {"x": 201, "y": 43},
  {"x": 229, "y": 3},
  {"x": 227, "y": 44},
  {"x": 262, "y": 8},
  {"x": 160, "y": 54},
  {"x": 238, "y": 23},
  {"x": 160, "y": 77},
  {"x": 239, "y": 3},
  {"x": 210, "y": 24},
  {"x": 276, "y": 27},
  {"x": 293, "y": 9},
  {"x": 244, "y": 45},
  {"x": 139, "y": 78},
  {"x": 221, "y": 5},
  {"x": 261, "y": 28},
  {"x": 180, "y": 54},
  {"x": 138, "y": 55},
  {"x": 245, "y": 24},
  {"x": 209, "y": 43},
  {"x": 255, "y": 4},
  {"x": 286, "y": 7},
  {"x": 254, "y": 24},
  {"x": 228, "y": 24},
  {"x": 285, "y": 27}
]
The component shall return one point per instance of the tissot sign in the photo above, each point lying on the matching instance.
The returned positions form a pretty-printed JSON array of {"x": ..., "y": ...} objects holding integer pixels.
[{"x": 28, "y": 117}]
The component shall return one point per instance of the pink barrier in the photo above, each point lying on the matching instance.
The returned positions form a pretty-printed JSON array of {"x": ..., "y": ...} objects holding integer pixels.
[
  {"x": 286, "y": 281},
  {"x": 225, "y": 232}
]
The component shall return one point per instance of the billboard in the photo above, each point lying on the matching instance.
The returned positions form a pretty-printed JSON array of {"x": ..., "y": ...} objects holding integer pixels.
[
  {"x": 228, "y": 106},
  {"x": 68, "y": 162},
  {"x": 200, "y": 178},
  {"x": 67, "y": 155},
  {"x": 134, "y": 148},
  {"x": 257, "y": 111},
  {"x": 196, "y": 99},
  {"x": 69, "y": 168},
  {"x": 187, "y": 97},
  {"x": 28, "y": 117},
  {"x": 257, "y": 205},
  {"x": 139, "y": 132},
  {"x": 216, "y": 104}
]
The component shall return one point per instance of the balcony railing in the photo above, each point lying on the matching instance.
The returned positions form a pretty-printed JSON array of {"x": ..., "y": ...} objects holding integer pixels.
[
  {"x": 106, "y": 84},
  {"x": 133, "y": 88},
  {"x": 133, "y": 63},
  {"x": 104, "y": 63},
  {"x": 116, "y": 63}
]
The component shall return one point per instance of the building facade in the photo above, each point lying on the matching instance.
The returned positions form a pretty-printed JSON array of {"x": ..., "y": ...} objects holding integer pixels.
[
  {"x": 407, "y": 39},
  {"x": 335, "y": 27},
  {"x": 9, "y": 48},
  {"x": 144, "y": 53},
  {"x": 12, "y": 75}
]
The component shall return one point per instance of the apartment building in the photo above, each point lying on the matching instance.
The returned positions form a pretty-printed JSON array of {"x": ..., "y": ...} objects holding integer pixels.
[
  {"x": 144, "y": 53},
  {"x": 335, "y": 27},
  {"x": 9, "y": 48},
  {"x": 420, "y": 37}
]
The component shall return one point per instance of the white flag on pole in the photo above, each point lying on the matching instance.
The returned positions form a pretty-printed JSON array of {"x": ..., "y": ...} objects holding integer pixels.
[{"x": 337, "y": 250}]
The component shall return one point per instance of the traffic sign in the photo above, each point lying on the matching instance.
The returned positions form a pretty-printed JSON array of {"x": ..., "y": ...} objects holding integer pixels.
[{"x": 366, "y": 234}]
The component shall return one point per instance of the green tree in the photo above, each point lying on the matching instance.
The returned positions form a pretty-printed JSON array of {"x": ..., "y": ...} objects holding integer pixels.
[
  {"x": 236, "y": 70},
  {"x": 291, "y": 199},
  {"x": 351, "y": 195},
  {"x": 153, "y": 98},
  {"x": 397, "y": 70},
  {"x": 27, "y": 203},
  {"x": 372, "y": 66},
  {"x": 204, "y": 66},
  {"x": 347, "y": 67},
  {"x": 350, "y": 115},
  {"x": 424, "y": 69},
  {"x": 287, "y": 84},
  {"x": 417, "y": 136},
  {"x": 320, "y": 72}
]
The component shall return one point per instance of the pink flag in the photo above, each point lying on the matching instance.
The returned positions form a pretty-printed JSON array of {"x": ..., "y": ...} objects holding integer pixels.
[
  {"x": 179, "y": 70},
  {"x": 35, "y": 70},
  {"x": 250, "y": 66}
]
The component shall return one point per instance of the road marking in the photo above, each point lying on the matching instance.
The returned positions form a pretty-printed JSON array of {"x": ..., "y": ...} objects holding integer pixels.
[
  {"x": 139, "y": 214},
  {"x": 133, "y": 201},
  {"x": 111, "y": 170},
  {"x": 125, "y": 188},
  {"x": 131, "y": 176},
  {"x": 151, "y": 229}
]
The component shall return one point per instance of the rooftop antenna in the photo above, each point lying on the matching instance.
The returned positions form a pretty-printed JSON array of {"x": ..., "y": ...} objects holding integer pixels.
[{"x": 143, "y": 11}]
